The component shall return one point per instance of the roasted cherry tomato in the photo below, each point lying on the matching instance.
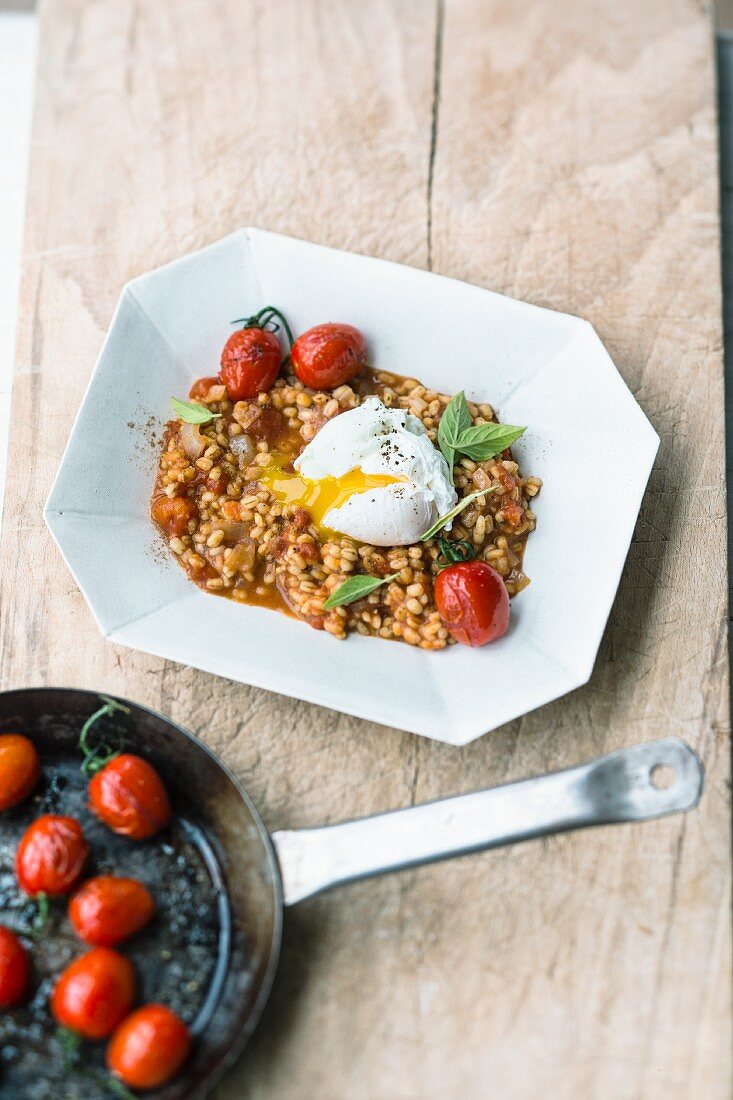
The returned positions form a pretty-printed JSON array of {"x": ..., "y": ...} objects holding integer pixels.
[
  {"x": 51, "y": 855},
  {"x": 95, "y": 993},
  {"x": 128, "y": 795},
  {"x": 328, "y": 355},
  {"x": 174, "y": 514},
  {"x": 107, "y": 910},
  {"x": 149, "y": 1047},
  {"x": 473, "y": 602},
  {"x": 250, "y": 362},
  {"x": 14, "y": 969},
  {"x": 19, "y": 769}
]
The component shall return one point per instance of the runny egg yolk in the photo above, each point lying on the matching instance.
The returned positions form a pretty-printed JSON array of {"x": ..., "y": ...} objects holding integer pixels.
[{"x": 318, "y": 497}]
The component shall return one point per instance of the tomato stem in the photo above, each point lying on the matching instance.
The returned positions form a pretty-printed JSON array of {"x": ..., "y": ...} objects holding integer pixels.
[
  {"x": 41, "y": 918},
  {"x": 69, "y": 1041},
  {"x": 114, "y": 1085},
  {"x": 263, "y": 318},
  {"x": 37, "y": 918},
  {"x": 97, "y": 756},
  {"x": 454, "y": 551}
]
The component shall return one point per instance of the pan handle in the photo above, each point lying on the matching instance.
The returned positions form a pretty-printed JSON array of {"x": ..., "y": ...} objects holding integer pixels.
[{"x": 623, "y": 786}]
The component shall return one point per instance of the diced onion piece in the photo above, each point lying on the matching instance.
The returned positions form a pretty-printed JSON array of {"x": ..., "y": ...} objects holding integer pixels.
[
  {"x": 215, "y": 393},
  {"x": 233, "y": 529},
  {"x": 246, "y": 413},
  {"x": 241, "y": 556},
  {"x": 192, "y": 441},
  {"x": 243, "y": 447}
]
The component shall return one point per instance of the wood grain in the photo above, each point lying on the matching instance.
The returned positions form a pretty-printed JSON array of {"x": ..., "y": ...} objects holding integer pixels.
[{"x": 560, "y": 152}]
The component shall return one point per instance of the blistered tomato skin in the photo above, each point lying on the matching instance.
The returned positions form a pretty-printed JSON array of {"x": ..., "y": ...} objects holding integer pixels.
[
  {"x": 108, "y": 910},
  {"x": 328, "y": 355},
  {"x": 473, "y": 602},
  {"x": 250, "y": 362},
  {"x": 149, "y": 1047},
  {"x": 14, "y": 969},
  {"x": 20, "y": 769},
  {"x": 129, "y": 797},
  {"x": 51, "y": 855},
  {"x": 94, "y": 994}
]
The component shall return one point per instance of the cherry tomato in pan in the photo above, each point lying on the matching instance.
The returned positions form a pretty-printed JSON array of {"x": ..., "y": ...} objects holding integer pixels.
[
  {"x": 328, "y": 355},
  {"x": 473, "y": 602},
  {"x": 95, "y": 993},
  {"x": 14, "y": 969},
  {"x": 19, "y": 769},
  {"x": 128, "y": 796},
  {"x": 149, "y": 1047},
  {"x": 51, "y": 855},
  {"x": 107, "y": 910}
]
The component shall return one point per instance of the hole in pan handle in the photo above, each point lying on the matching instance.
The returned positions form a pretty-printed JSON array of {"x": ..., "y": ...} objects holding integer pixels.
[{"x": 622, "y": 786}]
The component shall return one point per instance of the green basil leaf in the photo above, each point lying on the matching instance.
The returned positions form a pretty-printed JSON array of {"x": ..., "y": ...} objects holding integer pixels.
[
  {"x": 454, "y": 420},
  {"x": 191, "y": 412},
  {"x": 440, "y": 523},
  {"x": 355, "y": 588},
  {"x": 483, "y": 441}
]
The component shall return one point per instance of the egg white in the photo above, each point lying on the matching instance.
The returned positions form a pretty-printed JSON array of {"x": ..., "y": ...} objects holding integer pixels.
[{"x": 378, "y": 440}]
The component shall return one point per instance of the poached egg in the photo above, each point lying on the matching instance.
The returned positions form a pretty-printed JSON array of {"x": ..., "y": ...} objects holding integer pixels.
[{"x": 371, "y": 473}]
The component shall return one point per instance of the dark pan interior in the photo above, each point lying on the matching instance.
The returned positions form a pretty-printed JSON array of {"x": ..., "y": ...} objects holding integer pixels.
[{"x": 212, "y": 950}]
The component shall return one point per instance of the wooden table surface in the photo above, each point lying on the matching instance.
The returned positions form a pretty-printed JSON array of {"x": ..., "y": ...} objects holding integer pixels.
[{"x": 560, "y": 152}]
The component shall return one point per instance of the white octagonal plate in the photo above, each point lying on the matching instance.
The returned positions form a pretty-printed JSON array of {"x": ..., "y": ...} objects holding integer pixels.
[{"x": 537, "y": 367}]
